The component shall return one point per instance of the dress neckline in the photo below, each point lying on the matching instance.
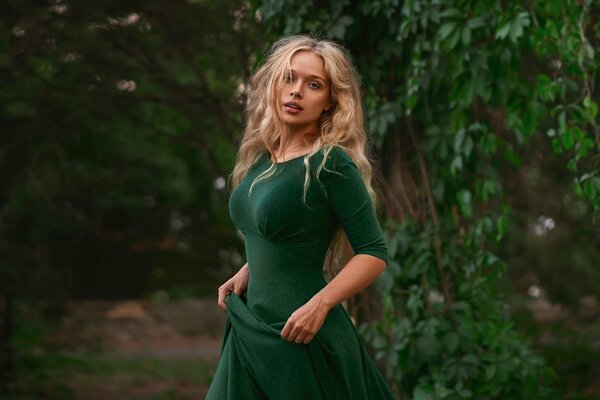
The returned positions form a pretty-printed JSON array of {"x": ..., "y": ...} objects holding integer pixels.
[{"x": 287, "y": 161}]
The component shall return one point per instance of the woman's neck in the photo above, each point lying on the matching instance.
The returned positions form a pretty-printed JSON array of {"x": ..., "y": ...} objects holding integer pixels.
[{"x": 291, "y": 144}]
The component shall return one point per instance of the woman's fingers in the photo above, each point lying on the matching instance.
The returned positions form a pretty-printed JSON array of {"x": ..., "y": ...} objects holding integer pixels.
[
  {"x": 300, "y": 338},
  {"x": 295, "y": 332},
  {"x": 221, "y": 294},
  {"x": 239, "y": 290},
  {"x": 232, "y": 285},
  {"x": 304, "y": 323},
  {"x": 294, "y": 336},
  {"x": 286, "y": 330}
]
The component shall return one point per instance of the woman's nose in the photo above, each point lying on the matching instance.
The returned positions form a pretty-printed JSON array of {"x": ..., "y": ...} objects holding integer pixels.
[{"x": 296, "y": 90}]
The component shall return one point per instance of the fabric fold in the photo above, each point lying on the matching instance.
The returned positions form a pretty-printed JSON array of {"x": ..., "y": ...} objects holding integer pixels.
[{"x": 276, "y": 369}]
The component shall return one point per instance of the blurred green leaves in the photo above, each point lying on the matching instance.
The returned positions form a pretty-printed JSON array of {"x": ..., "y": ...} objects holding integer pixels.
[
  {"x": 455, "y": 93},
  {"x": 118, "y": 119}
]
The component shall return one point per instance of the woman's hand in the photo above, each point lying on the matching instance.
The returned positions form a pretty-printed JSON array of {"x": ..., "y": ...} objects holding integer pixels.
[
  {"x": 236, "y": 284},
  {"x": 305, "y": 322}
]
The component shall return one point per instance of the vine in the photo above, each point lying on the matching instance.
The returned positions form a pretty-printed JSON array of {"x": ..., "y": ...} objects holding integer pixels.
[{"x": 454, "y": 91}]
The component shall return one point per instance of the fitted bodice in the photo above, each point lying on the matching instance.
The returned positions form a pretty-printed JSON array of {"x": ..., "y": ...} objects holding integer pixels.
[
  {"x": 287, "y": 237},
  {"x": 275, "y": 209}
]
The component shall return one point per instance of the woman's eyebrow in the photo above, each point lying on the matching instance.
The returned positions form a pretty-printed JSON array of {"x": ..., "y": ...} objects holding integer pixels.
[
  {"x": 313, "y": 76},
  {"x": 318, "y": 77}
]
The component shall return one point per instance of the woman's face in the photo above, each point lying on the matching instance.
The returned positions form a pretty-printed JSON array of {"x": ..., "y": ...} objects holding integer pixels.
[{"x": 304, "y": 94}]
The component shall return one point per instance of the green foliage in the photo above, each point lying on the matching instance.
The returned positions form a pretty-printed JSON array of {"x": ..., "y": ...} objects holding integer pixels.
[
  {"x": 466, "y": 349},
  {"x": 119, "y": 119},
  {"x": 461, "y": 88},
  {"x": 120, "y": 122}
]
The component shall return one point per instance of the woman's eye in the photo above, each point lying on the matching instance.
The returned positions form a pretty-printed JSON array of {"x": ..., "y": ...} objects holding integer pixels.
[
  {"x": 288, "y": 78},
  {"x": 314, "y": 85}
]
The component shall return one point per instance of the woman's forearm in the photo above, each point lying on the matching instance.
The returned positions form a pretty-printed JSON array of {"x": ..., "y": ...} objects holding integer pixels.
[
  {"x": 360, "y": 272},
  {"x": 305, "y": 322},
  {"x": 244, "y": 268},
  {"x": 236, "y": 284}
]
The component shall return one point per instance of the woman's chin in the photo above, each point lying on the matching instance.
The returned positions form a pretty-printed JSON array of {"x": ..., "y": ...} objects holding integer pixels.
[{"x": 297, "y": 123}]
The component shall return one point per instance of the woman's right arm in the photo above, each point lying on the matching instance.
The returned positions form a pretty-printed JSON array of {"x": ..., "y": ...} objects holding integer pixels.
[{"x": 237, "y": 284}]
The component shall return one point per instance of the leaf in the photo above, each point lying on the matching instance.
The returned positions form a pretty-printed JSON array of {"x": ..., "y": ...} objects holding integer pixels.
[
  {"x": 466, "y": 35},
  {"x": 589, "y": 49},
  {"x": 471, "y": 359},
  {"x": 591, "y": 109},
  {"x": 442, "y": 391},
  {"x": 490, "y": 371},
  {"x": 516, "y": 29},
  {"x": 562, "y": 118},
  {"x": 338, "y": 30},
  {"x": 446, "y": 30},
  {"x": 501, "y": 227},
  {"x": 423, "y": 392},
  {"x": 458, "y": 140},
  {"x": 385, "y": 282},
  {"x": 394, "y": 268},
  {"x": 456, "y": 164},
  {"x": 453, "y": 39},
  {"x": 556, "y": 146},
  {"x": 450, "y": 341},
  {"x": 461, "y": 306},
  {"x": 451, "y": 12},
  {"x": 545, "y": 88},
  {"x": 391, "y": 359},
  {"x": 502, "y": 33},
  {"x": 589, "y": 191},
  {"x": 464, "y": 200},
  {"x": 596, "y": 183},
  {"x": 468, "y": 146},
  {"x": 568, "y": 139},
  {"x": 379, "y": 342},
  {"x": 476, "y": 22}
]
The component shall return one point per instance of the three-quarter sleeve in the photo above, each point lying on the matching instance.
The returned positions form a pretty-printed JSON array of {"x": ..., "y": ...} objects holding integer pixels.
[{"x": 352, "y": 206}]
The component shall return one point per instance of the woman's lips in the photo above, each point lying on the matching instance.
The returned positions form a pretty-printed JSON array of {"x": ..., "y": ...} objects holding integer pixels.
[{"x": 292, "y": 107}]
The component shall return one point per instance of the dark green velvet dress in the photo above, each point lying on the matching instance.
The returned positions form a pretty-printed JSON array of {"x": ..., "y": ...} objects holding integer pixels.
[{"x": 286, "y": 242}]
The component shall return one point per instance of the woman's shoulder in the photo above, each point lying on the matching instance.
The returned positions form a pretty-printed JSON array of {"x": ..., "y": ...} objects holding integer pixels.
[
  {"x": 336, "y": 157},
  {"x": 338, "y": 166}
]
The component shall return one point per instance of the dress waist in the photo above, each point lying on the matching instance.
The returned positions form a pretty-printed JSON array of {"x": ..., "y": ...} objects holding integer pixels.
[{"x": 281, "y": 278}]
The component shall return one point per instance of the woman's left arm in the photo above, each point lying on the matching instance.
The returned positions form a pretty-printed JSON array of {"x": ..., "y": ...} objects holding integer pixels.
[
  {"x": 305, "y": 322},
  {"x": 352, "y": 207}
]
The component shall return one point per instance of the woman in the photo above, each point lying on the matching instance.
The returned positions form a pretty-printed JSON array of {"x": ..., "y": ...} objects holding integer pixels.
[{"x": 302, "y": 199}]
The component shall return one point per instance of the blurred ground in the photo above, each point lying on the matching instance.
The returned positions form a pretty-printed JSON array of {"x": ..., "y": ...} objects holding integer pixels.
[
  {"x": 135, "y": 350},
  {"x": 141, "y": 349}
]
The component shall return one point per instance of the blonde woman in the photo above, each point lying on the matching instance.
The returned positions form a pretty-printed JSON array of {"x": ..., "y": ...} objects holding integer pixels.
[{"x": 302, "y": 198}]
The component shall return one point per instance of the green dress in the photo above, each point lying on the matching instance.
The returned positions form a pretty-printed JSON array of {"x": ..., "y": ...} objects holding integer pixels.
[{"x": 286, "y": 242}]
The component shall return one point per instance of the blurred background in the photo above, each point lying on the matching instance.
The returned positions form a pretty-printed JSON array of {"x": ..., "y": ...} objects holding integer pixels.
[{"x": 120, "y": 122}]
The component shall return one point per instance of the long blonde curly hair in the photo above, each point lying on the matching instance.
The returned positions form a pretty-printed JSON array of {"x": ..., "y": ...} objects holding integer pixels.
[{"x": 341, "y": 125}]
